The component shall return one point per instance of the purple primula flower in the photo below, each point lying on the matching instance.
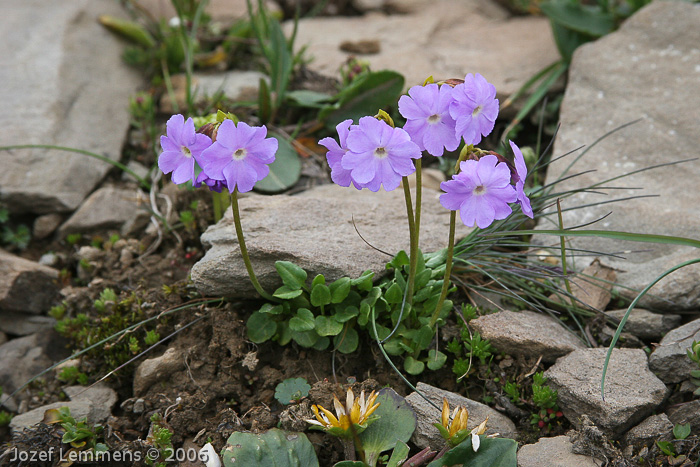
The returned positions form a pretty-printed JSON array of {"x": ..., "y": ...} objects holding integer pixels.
[
  {"x": 181, "y": 147},
  {"x": 521, "y": 170},
  {"x": 480, "y": 192},
  {"x": 426, "y": 109},
  {"x": 474, "y": 107},
  {"x": 336, "y": 152},
  {"x": 379, "y": 154},
  {"x": 239, "y": 155},
  {"x": 214, "y": 185}
]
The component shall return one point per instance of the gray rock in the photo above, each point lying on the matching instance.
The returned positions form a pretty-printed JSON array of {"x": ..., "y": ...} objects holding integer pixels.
[
  {"x": 109, "y": 208},
  {"x": 78, "y": 410},
  {"x": 314, "y": 230},
  {"x": 654, "y": 428},
  {"x": 528, "y": 334},
  {"x": 3, "y": 338},
  {"x": 631, "y": 391},
  {"x": 219, "y": 10},
  {"x": 26, "y": 286},
  {"x": 21, "y": 324},
  {"x": 101, "y": 396},
  {"x": 157, "y": 369},
  {"x": 65, "y": 84},
  {"x": 506, "y": 50},
  {"x": 46, "y": 225},
  {"x": 688, "y": 412},
  {"x": 23, "y": 358},
  {"x": 646, "y": 70},
  {"x": 553, "y": 452},
  {"x": 670, "y": 360},
  {"x": 645, "y": 324},
  {"x": 427, "y": 435}
]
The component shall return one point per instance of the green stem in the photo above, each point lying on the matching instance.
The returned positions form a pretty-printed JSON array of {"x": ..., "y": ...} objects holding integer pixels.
[
  {"x": 419, "y": 199},
  {"x": 216, "y": 206},
  {"x": 413, "y": 239},
  {"x": 244, "y": 250},
  {"x": 448, "y": 270},
  {"x": 562, "y": 246}
]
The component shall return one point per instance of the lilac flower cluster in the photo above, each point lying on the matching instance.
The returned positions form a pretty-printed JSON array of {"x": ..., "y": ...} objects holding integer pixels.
[
  {"x": 372, "y": 154},
  {"x": 236, "y": 160}
]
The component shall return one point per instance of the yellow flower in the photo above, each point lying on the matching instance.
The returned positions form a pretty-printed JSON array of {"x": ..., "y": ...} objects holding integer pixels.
[
  {"x": 455, "y": 431},
  {"x": 356, "y": 411}
]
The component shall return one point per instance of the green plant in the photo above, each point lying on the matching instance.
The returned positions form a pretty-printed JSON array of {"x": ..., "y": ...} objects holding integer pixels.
[
  {"x": 291, "y": 390},
  {"x": 513, "y": 391},
  {"x": 152, "y": 337},
  {"x": 160, "y": 437},
  {"x": 544, "y": 399},
  {"x": 13, "y": 238},
  {"x": 72, "y": 375},
  {"x": 694, "y": 355},
  {"x": 274, "y": 447},
  {"x": 313, "y": 314},
  {"x": 81, "y": 435}
]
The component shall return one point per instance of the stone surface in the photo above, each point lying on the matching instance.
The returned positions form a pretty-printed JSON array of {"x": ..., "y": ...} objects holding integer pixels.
[
  {"x": 507, "y": 51},
  {"x": 654, "y": 428},
  {"x": 157, "y": 369},
  {"x": 553, "y": 452},
  {"x": 688, "y": 412},
  {"x": 78, "y": 409},
  {"x": 314, "y": 230},
  {"x": 646, "y": 70},
  {"x": 22, "y": 324},
  {"x": 631, "y": 391},
  {"x": 645, "y": 324},
  {"x": 219, "y": 10},
  {"x": 427, "y": 435},
  {"x": 65, "y": 84},
  {"x": 24, "y": 358},
  {"x": 101, "y": 396},
  {"x": 527, "y": 333},
  {"x": 670, "y": 360},
  {"x": 109, "y": 208},
  {"x": 26, "y": 286},
  {"x": 592, "y": 287},
  {"x": 46, "y": 225}
]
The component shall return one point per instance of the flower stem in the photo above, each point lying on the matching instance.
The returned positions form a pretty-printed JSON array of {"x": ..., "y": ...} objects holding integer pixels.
[
  {"x": 244, "y": 250},
  {"x": 448, "y": 270},
  {"x": 413, "y": 239}
]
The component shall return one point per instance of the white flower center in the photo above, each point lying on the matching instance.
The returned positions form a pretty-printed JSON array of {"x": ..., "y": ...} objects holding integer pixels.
[
  {"x": 477, "y": 111},
  {"x": 380, "y": 153},
  {"x": 435, "y": 118},
  {"x": 480, "y": 190},
  {"x": 239, "y": 154},
  {"x": 186, "y": 151}
]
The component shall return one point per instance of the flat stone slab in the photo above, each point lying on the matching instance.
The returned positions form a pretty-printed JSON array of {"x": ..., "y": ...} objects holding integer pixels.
[
  {"x": 554, "y": 452},
  {"x": 427, "y": 435},
  {"x": 436, "y": 39},
  {"x": 670, "y": 360},
  {"x": 65, "y": 84},
  {"x": 632, "y": 391},
  {"x": 26, "y": 286},
  {"x": 646, "y": 325},
  {"x": 650, "y": 70},
  {"x": 528, "y": 334},
  {"x": 315, "y": 230}
]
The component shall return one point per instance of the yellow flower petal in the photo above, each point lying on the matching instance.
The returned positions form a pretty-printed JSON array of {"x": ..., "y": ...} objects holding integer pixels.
[{"x": 445, "y": 413}]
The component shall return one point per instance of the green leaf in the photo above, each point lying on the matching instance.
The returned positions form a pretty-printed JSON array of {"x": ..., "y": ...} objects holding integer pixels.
[
  {"x": 401, "y": 259},
  {"x": 264, "y": 101},
  {"x": 340, "y": 289},
  {"x": 393, "y": 346},
  {"x": 273, "y": 448},
  {"x": 326, "y": 326},
  {"x": 436, "y": 359},
  {"x": 350, "y": 464},
  {"x": 292, "y": 275},
  {"x": 271, "y": 308},
  {"x": 346, "y": 314},
  {"x": 322, "y": 343},
  {"x": 305, "y": 338},
  {"x": 320, "y": 295},
  {"x": 281, "y": 63},
  {"x": 128, "y": 29},
  {"x": 364, "y": 282},
  {"x": 261, "y": 327},
  {"x": 364, "y": 96},
  {"x": 398, "y": 455},
  {"x": 319, "y": 279},
  {"x": 303, "y": 321},
  {"x": 395, "y": 424},
  {"x": 423, "y": 337},
  {"x": 284, "y": 171},
  {"x": 394, "y": 294},
  {"x": 310, "y": 99},
  {"x": 492, "y": 452},
  {"x": 681, "y": 431},
  {"x": 589, "y": 20},
  {"x": 291, "y": 390},
  {"x": 286, "y": 293},
  {"x": 346, "y": 342},
  {"x": 413, "y": 366},
  {"x": 422, "y": 278}
]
